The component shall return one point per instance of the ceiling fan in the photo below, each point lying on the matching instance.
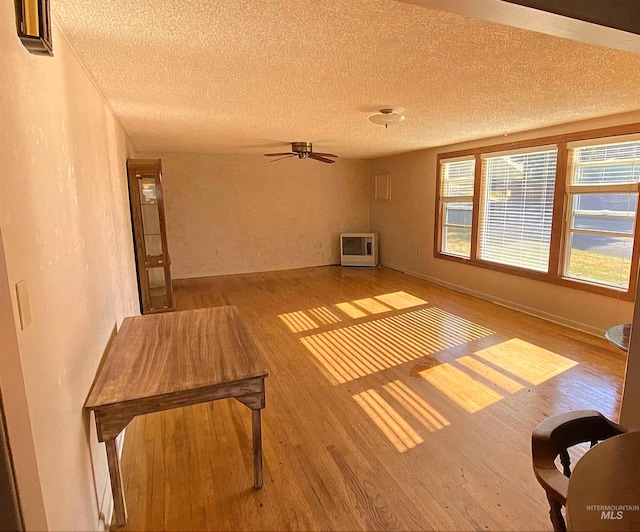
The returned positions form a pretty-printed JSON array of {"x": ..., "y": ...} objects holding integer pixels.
[{"x": 303, "y": 150}]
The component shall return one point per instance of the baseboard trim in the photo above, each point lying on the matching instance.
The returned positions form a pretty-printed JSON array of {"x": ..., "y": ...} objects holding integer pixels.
[
  {"x": 532, "y": 311},
  {"x": 204, "y": 275}
]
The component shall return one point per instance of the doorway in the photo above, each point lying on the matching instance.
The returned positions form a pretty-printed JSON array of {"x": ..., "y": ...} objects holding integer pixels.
[{"x": 10, "y": 515}]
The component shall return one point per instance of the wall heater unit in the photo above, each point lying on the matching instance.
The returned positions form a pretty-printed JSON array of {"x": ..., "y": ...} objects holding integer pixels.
[{"x": 359, "y": 249}]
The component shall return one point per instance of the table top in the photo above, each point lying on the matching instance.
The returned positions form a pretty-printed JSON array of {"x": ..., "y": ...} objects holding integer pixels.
[
  {"x": 158, "y": 354},
  {"x": 618, "y": 335},
  {"x": 604, "y": 488}
]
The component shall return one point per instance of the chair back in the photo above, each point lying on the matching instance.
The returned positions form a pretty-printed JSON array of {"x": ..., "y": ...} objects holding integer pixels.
[{"x": 555, "y": 435}]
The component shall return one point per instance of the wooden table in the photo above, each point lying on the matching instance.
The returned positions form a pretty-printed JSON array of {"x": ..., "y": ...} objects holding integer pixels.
[
  {"x": 605, "y": 481},
  {"x": 170, "y": 360}
]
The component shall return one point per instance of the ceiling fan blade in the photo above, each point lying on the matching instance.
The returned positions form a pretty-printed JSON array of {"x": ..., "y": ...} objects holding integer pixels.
[
  {"x": 276, "y": 154},
  {"x": 324, "y": 154},
  {"x": 320, "y": 158},
  {"x": 289, "y": 155}
]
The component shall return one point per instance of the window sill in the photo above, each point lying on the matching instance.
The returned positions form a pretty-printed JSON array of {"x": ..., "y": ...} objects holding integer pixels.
[{"x": 584, "y": 286}]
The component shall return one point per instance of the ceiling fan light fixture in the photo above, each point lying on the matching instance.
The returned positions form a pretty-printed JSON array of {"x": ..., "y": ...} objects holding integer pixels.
[{"x": 388, "y": 115}]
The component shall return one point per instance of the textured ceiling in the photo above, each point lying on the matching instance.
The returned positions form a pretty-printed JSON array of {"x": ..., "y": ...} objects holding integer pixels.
[{"x": 243, "y": 76}]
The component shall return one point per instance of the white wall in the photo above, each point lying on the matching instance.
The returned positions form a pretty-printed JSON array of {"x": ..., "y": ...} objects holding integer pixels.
[
  {"x": 406, "y": 227},
  {"x": 630, "y": 410},
  {"x": 235, "y": 214},
  {"x": 65, "y": 223},
  {"x": 16, "y": 411}
]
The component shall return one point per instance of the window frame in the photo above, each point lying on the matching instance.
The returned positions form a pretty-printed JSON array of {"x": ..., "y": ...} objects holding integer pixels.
[
  {"x": 448, "y": 200},
  {"x": 560, "y": 216},
  {"x": 574, "y": 190}
]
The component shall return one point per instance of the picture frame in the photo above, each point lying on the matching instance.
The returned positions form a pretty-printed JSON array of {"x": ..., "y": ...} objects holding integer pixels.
[{"x": 33, "y": 24}]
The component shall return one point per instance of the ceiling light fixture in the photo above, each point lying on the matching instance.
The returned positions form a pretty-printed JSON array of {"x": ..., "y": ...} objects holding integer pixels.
[{"x": 388, "y": 115}]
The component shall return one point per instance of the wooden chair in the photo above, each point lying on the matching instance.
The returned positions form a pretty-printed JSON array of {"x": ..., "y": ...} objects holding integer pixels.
[{"x": 552, "y": 438}]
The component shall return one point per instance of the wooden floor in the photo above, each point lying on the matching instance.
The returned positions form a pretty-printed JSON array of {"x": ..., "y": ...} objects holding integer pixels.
[{"x": 392, "y": 404}]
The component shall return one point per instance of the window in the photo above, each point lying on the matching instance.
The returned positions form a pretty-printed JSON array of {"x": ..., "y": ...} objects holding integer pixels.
[
  {"x": 603, "y": 200},
  {"x": 560, "y": 209},
  {"x": 456, "y": 203},
  {"x": 517, "y": 208}
]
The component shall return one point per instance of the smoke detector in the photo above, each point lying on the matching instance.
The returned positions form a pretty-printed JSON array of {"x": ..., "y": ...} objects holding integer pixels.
[{"x": 388, "y": 115}]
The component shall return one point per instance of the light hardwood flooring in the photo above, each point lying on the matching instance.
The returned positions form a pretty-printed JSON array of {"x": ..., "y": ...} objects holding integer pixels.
[{"x": 393, "y": 404}]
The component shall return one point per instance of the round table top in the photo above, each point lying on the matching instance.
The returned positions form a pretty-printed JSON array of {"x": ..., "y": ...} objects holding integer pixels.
[
  {"x": 618, "y": 335},
  {"x": 604, "y": 488}
]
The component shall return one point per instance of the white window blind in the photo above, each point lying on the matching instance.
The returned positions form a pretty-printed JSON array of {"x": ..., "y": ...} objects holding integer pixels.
[
  {"x": 517, "y": 209},
  {"x": 456, "y": 197},
  {"x": 457, "y": 178}
]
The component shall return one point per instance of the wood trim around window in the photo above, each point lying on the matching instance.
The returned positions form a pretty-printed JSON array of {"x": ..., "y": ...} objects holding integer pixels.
[
  {"x": 478, "y": 192},
  {"x": 635, "y": 254},
  {"x": 437, "y": 240},
  {"x": 601, "y": 133},
  {"x": 557, "y": 251}
]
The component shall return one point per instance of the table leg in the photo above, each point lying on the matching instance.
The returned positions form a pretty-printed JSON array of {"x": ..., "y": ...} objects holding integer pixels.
[
  {"x": 256, "y": 425},
  {"x": 119, "y": 507}
]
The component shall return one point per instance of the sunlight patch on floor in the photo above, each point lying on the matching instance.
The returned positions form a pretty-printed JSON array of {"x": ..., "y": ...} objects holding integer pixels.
[
  {"x": 351, "y": 311},
  {"x": 359, "y": 350},
  {"x": 298, "y": 321},
  {"x": 400, "y": 300},
  {"x": 492, "y": 375},
  {"x": 526, "y": 361},
  {"x": 462, "y": 389},
  {"x": 332, "y": 365},
  {"x": 401, "y": 435},
  {"x": 307, "y": 320},
  {"x": 324, "y": 316},
  {"x": 371, "y": 305},
  {"x": 428, "y": 416}
]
